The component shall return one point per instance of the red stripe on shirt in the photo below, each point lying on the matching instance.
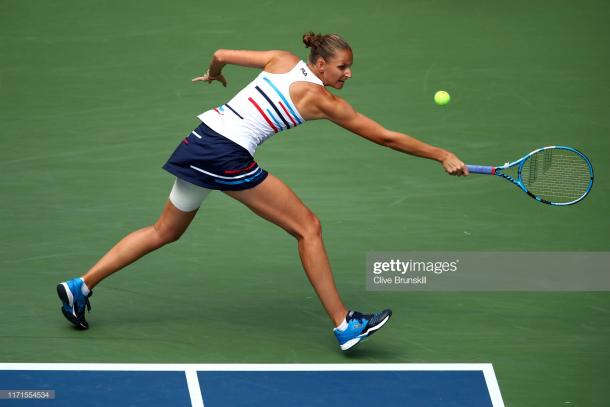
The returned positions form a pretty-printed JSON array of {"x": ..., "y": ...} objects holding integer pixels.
[
  {"x": 284, "y": 107},
  {"x": 263, "y": 114}
]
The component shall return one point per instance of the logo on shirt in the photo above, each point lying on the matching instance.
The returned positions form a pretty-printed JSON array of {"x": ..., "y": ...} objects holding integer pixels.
[{"x": 303, "y": 71}]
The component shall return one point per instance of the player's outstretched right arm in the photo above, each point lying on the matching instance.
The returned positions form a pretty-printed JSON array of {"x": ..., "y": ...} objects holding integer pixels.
[{"x": 339, "y": 111}]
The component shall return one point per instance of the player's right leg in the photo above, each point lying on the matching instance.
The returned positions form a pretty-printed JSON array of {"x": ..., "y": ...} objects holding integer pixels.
[
  {"x": 179, "y": 211},
  {"x": 275, "y": 201}
]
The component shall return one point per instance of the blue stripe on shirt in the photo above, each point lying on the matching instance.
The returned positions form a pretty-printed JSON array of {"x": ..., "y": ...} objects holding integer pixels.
[{"x": 288, "y": 105}]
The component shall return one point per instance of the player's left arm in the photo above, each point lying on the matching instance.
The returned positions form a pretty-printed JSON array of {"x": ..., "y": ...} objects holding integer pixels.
[
  {"x": 250, "y": 59},
  {"x": 342, "y": 113}
]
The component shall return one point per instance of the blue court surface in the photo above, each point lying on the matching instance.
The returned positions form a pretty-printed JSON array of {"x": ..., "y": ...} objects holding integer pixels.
[{"x": 212, "y": 385}]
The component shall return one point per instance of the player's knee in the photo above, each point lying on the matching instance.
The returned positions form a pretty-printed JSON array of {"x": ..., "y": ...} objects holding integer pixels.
[
  {"x": 167, "y": 235},
  {"x": 311, "y": 228}
]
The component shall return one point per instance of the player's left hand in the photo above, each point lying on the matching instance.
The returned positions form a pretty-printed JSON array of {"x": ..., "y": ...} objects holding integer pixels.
[
  {"x": 209, "y": 78},
  {"x": 454, "y": 166}
]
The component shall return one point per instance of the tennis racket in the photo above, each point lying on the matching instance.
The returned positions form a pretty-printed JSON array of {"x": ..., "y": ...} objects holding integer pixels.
[{"x": 554, "y": 175}]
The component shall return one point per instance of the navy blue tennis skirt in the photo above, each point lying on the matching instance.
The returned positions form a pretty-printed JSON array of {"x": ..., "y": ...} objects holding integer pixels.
[{"x": 212, "y": 161}]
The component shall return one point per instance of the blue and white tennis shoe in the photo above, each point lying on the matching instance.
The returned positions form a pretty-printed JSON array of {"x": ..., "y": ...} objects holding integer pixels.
[
  {"x": 360, "y": 327},
  {"x": 74, "y": 302}
]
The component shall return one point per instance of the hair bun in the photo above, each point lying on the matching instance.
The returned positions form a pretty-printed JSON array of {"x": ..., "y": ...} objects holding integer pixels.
[
  {"x": 324, "y": 46},
  {"x": 312, "y": 40}
]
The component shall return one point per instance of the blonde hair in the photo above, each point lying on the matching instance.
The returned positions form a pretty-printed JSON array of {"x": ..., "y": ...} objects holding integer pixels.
[{"x": 324, "y": 46}]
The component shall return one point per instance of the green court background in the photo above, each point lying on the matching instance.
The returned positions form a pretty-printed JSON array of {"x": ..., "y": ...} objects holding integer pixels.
[{"x": 94, "y": 95}]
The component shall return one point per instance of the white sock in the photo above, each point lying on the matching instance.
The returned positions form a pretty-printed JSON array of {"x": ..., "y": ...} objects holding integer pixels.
[
  {"x": 84, "y": 289},
  {"x": 343, "y": 325}
]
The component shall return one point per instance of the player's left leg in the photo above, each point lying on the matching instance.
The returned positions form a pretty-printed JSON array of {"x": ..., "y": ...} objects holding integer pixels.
[{"x": 179, "y": 211}]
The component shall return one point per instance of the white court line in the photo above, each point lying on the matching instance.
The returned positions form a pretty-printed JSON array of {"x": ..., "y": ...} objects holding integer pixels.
[
  {"x": 194, "y": 389},
  {"x": 193, "y": 382},
  {"x": 165, "y": 367},
  {"x": 492, "y": 386}
]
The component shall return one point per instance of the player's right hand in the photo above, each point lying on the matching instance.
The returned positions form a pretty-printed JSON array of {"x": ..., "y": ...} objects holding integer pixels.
[{"x": 454, "y": 166}]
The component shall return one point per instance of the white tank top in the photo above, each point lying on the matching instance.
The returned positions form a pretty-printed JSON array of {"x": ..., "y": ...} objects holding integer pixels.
[{"x": 261, "y": 109}]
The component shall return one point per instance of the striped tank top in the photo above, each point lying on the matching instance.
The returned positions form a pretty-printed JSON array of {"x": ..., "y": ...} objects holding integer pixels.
[{"x": 261, "y": 109}]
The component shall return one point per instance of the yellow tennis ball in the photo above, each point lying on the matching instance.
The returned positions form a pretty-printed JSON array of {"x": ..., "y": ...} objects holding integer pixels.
[{"x": 441, "y": 98}]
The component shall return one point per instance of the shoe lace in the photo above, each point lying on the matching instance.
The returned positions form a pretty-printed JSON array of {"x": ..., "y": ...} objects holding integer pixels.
[{"x": 358, "y": 317}]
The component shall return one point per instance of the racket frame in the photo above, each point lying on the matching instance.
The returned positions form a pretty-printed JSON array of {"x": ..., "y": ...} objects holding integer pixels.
[{"x": 490, "y": 170}]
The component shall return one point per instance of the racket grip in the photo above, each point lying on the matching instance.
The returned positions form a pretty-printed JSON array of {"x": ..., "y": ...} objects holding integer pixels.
[{"x": 480, "y": 169}]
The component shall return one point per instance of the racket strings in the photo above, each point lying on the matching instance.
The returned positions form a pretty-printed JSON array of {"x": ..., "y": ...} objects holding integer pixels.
[{"x": 556, "y": 175}]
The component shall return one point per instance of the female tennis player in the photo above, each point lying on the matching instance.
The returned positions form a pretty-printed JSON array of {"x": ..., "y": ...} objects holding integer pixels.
[{"x": 219, "y": 155}]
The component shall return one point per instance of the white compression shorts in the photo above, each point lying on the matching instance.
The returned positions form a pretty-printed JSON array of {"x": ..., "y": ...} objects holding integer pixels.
[{"x": 186, "y": 196}]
